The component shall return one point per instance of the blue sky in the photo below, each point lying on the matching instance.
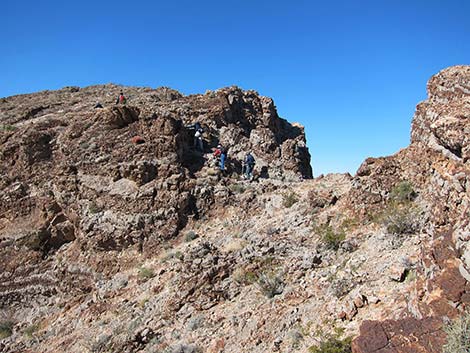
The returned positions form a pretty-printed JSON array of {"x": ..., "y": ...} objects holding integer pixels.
[{"x": 351, "y": 72}]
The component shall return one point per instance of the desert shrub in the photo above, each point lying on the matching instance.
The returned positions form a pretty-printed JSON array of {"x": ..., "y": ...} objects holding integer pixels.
[
  {"x": 350, "y": 223},
  {"x": 403, "y": 192},
  {"x": 178, "y": 255},
  {"x": 296, "y": 338},
  {"x": 93, "y": 208},
  {"x": 401, "y": 219},
  {"x": 190, "y": 236},
  {"x": 289, "y": 199},
  {"x": 7, "y": 128},
  {"x": 100, "y": 343},
  {"x": 235, "y": 245},
  {"x": 146, "y": 273},
  {"x": 272, "y": 231},
  {"x": 172, "y": 254},
  {"x": 332, "y": 344},
  {"x": 341, "y": 287},
  {"x": 270, "y": 284},
  {"x": 195, "y": 322},
  {"x": 143, "y": 302},
  {"x": 237, "y": 188},
  {"x": 6, "y": 328},
  {"x": 184, "y": 348},
  {"x": 330, "y": 237},
  {"x": 458, "y": 335},
  {"x": 30, "y": 330},
  {"x": 244, "y": 276}
]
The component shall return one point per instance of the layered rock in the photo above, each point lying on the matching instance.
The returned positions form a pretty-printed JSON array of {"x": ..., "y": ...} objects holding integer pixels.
[
  {"x": 436, "y": 163},
  {"x": 81, "y": 187}
]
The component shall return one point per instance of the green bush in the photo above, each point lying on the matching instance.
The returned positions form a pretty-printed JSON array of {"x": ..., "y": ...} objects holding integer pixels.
[
  {"x": 458, "y": 335},
  {"x": 403, "y": 192},
  {"x": 6, "y": 328},
  {"x": 401, "y": 219},
  {"x": 190, "y": 236},
  {"x": 237, "y": 188},
  {"x": 329, "y": 237},
  {"x": 270, "y": 284},
  {"x": 341, "y": 287},
  {"x": 288, "y": 200},
  {"x": 244, "y": 276},
  {"x": 7, "y": 128},
  {"x": 146, "y": 273},
  {"x": 30, "y": 330},
  {"x": 332, "y": 344},
  {"x": 93, "y": 208}
]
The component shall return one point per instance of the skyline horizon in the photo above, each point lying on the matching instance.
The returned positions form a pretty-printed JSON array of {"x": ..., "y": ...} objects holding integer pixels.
[
  {"x": 351, "y": 73},
  {"x": 123, "y": 86}
]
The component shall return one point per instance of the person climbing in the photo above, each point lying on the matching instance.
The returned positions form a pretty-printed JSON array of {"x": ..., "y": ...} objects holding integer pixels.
[
  {"x": 98, "y": 105},
  {"x": 223, "y": 158},
  {"x": 249, "y": 164},
  {"x": 221, "y": 154},
  {"x": 121, "y": 99},
  {"x": 198, "y": 144}
]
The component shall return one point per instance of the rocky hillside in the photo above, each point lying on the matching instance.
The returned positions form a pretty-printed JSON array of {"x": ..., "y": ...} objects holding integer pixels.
[{"x": 116, "y": 235}]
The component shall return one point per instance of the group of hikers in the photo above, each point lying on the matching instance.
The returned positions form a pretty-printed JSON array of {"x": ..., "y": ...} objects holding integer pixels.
[
  {"x": 121, "y": 99},
  {"x": 220, "y": 153}
]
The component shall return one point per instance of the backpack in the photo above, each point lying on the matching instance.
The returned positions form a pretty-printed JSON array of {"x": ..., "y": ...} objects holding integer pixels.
[{"x": 122, "y": 99}]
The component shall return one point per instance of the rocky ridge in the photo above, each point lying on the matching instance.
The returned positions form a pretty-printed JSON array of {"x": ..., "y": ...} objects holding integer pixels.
[{"x": 109, "y": 245}]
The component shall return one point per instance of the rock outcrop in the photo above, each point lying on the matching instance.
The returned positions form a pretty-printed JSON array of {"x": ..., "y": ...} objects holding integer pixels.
[{"x": 436, "y": 163}]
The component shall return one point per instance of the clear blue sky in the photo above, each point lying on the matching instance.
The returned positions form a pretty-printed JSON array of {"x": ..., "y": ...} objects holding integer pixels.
[{"x": 351, "y": 72}]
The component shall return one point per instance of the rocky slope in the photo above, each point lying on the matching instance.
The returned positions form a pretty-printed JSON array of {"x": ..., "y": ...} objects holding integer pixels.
[{"x": 108, "y": 245}]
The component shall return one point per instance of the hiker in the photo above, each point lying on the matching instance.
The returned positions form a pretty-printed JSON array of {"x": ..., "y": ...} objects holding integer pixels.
[
  {"x": 223, "y": 158},
  {"x": 221, "y": 154},
  {"x": 198, "y": 144},
  {"x": 121, "y": 99},
  {"x": 98, "y": 106},
  {"x": 248, "y": 165}
]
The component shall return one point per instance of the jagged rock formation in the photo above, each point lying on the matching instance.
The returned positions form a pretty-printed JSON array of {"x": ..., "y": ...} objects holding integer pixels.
[
  {"x": 117, "y": 236},
  {"x": 436, "y": 163},
  {"x": 84, "y": 162}
]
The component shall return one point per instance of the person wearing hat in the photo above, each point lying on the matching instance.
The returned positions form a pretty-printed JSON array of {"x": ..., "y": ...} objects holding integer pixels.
[{"x": 221, "y": 154}]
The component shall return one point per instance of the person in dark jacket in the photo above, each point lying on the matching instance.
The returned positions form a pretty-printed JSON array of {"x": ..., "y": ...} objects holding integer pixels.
[{"x": 249, "y": 165}]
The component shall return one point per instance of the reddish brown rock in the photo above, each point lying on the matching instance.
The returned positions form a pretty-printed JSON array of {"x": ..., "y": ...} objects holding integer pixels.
[
  {"x": 407, "y": 335},
  {"x": 439, "y": 151}
]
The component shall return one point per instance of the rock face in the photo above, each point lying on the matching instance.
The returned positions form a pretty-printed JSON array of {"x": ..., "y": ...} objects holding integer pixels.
[
  {"x": 117, "y": 235},
  {"x": 113, "y": 193},
  {"x": 437, "y": 164},
  {"x": 441, "y": 122},
  {"x": 84, "y": 185}
]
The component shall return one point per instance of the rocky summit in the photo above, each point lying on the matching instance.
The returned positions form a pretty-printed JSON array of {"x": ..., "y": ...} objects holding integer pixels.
[{"x": 119, "y": 234}]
